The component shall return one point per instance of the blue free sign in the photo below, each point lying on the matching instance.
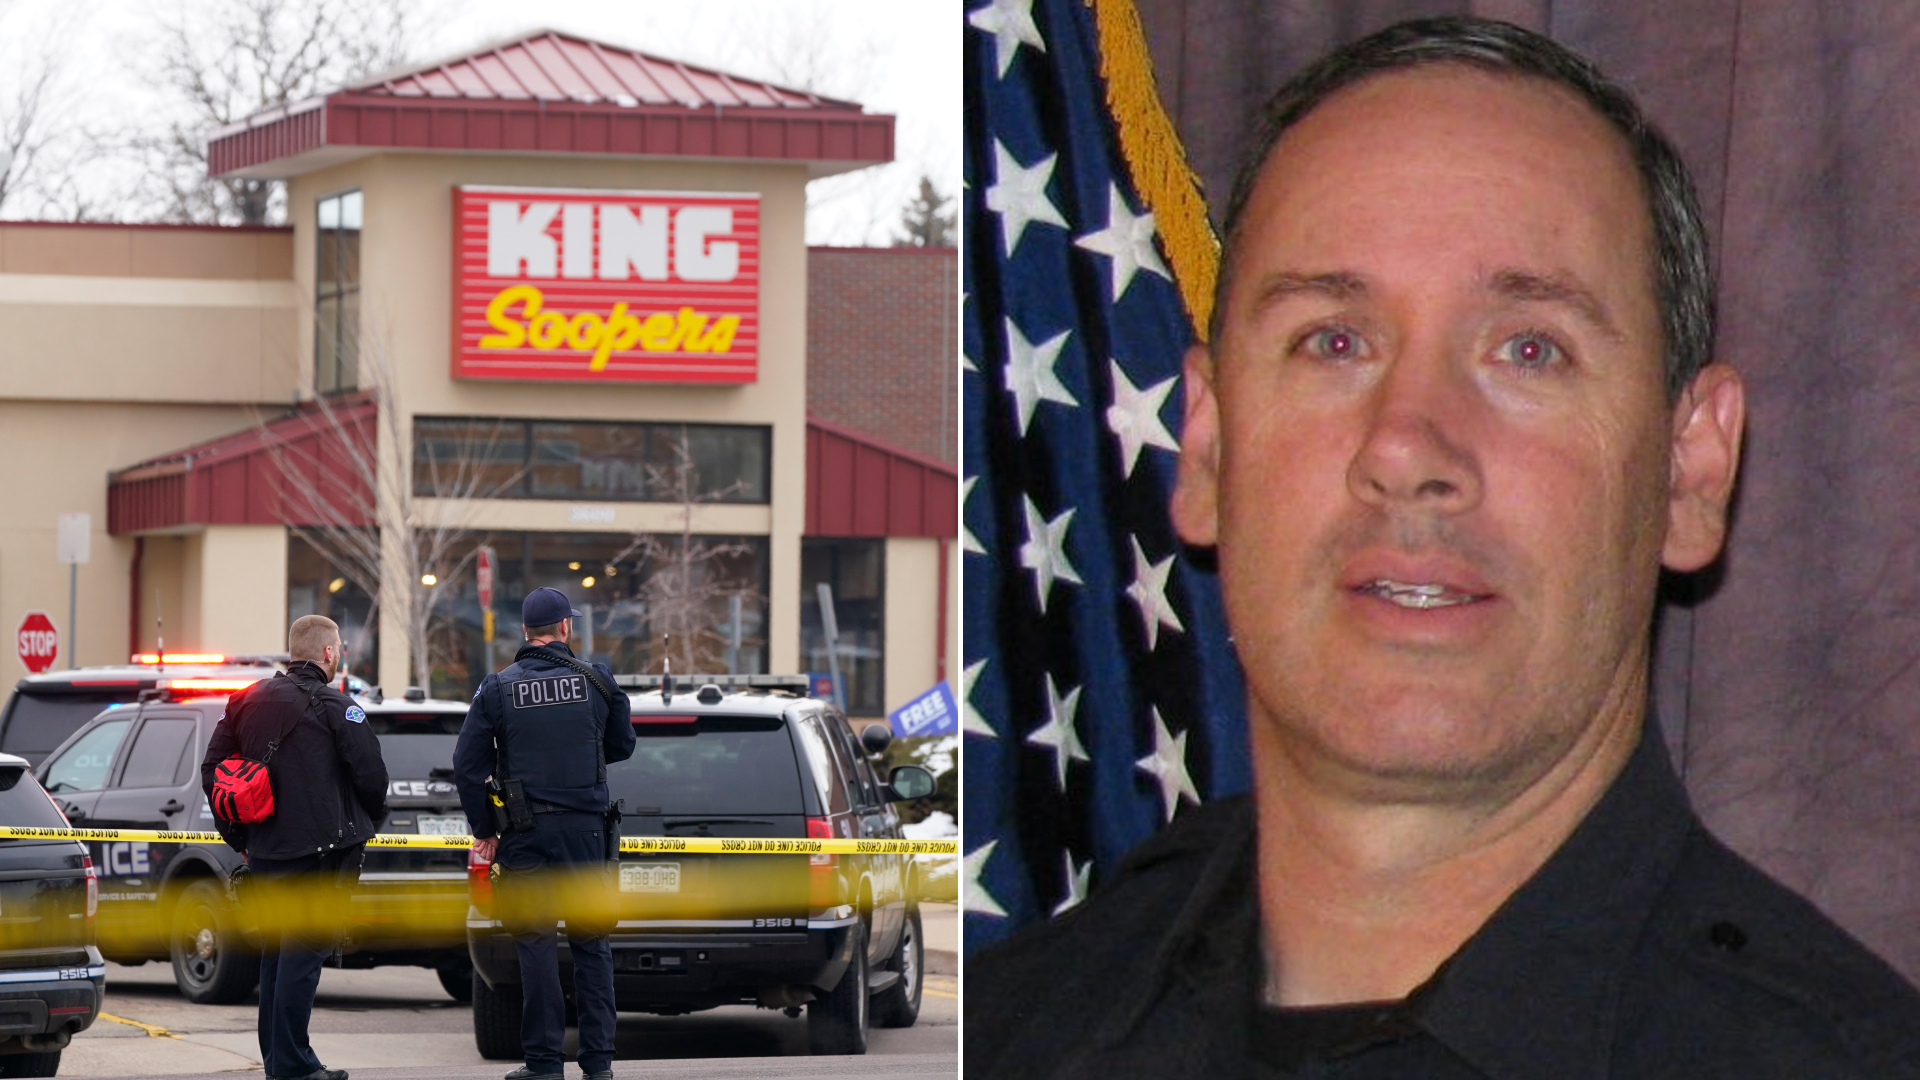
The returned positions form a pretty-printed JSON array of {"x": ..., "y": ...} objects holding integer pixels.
[{"x": 932, "y": 713}]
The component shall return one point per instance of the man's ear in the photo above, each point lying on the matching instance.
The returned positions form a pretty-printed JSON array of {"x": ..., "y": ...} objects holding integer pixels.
[
  {"x": 1707, "y": 426},
  {"x": 1196, "y": 496}
]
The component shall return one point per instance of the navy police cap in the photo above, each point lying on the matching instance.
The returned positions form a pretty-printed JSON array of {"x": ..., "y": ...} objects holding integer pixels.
[{"x": 544, "y": 607}]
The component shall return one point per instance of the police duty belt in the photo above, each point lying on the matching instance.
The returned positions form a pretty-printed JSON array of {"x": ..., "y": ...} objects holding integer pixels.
[{"x": 701, "y": 845}]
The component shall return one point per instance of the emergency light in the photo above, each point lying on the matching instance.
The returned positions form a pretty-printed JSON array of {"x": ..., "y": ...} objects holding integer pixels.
[
  {"x": 180, "y": 658},
  {"x": 178, "y": 688}
]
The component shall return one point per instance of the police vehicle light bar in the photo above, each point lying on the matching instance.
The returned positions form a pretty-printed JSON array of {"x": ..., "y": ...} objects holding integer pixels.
[
  {"x": 796, "y": 684},
  {"x": 179, "y": 687},
  {"x": 180, "y": 658}
]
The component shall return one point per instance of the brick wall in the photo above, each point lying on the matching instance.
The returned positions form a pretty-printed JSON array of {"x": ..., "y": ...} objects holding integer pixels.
[{"x": 882, "y": 352}]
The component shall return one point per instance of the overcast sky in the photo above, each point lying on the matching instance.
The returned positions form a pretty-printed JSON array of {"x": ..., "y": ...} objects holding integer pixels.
[{"x": 900, "y": 57}]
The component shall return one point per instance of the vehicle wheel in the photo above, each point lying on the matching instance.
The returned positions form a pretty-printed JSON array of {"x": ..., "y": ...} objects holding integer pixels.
[
  {"x": 212, "y": 963},
  {"x": 456, "y": 977},
  {"x": 837, "y": 1023},
  {"x": 496, "y": 1020},
  {"x": 899, "y": 1005},
  {"x": 45, "y": 1064}
]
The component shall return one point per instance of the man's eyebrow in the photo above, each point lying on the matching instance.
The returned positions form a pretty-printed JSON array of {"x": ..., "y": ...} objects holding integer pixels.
[
  {"x": 1534, "y": 288},
  {"x": 1337, "y": 285}
]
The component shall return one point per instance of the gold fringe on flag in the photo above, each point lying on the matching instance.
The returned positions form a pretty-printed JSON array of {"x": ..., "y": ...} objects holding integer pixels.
[{"x": 1157, "y": 160}]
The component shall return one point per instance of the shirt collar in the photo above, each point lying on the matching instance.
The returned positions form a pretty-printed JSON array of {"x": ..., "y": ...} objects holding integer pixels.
[{"x": 1535, "y": 992}]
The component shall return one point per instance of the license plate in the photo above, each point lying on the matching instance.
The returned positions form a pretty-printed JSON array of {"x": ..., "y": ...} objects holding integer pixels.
[
  {"x": 443, "y": 826},
  {"x": 650, "y": 877}
]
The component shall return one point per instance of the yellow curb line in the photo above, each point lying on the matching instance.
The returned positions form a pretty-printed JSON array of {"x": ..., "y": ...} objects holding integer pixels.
[
  {"x": 941, "y": 993},
  {"x": 151, "y": 1029}
]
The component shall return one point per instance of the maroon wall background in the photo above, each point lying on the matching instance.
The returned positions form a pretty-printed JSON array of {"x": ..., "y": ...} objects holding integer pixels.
[{"x": 1788, "y": 678}]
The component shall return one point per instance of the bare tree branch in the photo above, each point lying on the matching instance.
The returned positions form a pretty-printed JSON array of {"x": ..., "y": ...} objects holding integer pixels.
[{"x": 225, "y": 62}]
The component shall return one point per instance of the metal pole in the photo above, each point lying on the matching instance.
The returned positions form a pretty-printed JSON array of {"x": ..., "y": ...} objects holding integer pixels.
[
  {"x": 733, "y": 644},
  {"x": 830, "y": 626},
  {"x": 73, "y": 592}
]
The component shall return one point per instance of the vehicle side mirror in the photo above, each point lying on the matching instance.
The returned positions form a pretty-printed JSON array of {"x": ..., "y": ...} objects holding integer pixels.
[
  {"x": 908, "y": 782},
  {"x": 875, "y": 738}
]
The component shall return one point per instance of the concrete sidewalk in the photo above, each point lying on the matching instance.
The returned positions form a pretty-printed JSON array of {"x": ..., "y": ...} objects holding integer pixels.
[{"x": 941, "y": 925}]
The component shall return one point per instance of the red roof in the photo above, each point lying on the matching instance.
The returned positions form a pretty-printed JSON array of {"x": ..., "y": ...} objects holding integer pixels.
[
  {"x": 547, "y": 92},
  {"x": 859, "y": 486},
  {"x": 243, "y": 478}
]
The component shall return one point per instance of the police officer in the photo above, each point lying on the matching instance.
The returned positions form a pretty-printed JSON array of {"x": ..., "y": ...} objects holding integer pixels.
[
  {"x": 543, "y": 731},
  {"x": 329, "y": 789}
]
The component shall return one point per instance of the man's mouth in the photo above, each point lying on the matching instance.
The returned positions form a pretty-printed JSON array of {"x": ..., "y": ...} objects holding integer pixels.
[{"x": 1421, "y": 595}]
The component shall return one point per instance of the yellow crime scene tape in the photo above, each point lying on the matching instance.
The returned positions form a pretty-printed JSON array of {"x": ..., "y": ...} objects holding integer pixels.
[{"x": 703, "y": 845}]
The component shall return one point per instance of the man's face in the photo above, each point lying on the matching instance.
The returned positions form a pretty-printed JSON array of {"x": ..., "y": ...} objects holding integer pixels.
[{"x": 1432, "y": 440}]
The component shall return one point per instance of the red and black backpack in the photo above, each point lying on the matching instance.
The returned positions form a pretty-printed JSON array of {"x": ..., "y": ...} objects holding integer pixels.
[{"x": 242, "y": 792}]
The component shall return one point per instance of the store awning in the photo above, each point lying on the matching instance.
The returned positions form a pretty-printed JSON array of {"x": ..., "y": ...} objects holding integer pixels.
[
  {"x": 552, "y": 93},
  {"x": 295, "y": 470},
  {"x": 858, "y": 486}
]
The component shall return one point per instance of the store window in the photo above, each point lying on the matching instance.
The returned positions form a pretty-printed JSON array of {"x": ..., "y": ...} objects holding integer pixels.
[
  {"x": 336, "y": 320},
  {"x": 318, "y": 583},
  {"x": 856, "y": 572},
  {"x": 550, "y": 459},
  {"x": 633, "y": 592}
]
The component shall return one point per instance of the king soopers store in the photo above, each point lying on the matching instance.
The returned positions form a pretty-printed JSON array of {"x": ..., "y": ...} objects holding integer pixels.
[{"x": 546, "y": 304}]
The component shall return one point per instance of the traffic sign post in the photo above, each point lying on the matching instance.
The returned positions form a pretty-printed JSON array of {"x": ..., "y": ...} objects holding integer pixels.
[
  {"x": 37, "y": 641},
  {"x": 483, "y": 581},
  {"x": 73, "y": 548}
]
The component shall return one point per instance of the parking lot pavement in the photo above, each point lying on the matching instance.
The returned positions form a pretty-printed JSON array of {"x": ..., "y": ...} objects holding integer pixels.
[{"x": 398, "y": 1024}]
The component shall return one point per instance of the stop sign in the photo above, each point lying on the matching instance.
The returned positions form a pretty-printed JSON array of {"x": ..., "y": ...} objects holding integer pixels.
[
  {"x": 37, "y": 641},
  {"x": 483, "y": 576}
]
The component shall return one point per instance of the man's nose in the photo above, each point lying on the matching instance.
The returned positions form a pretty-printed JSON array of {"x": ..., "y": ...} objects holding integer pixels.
[{"x": 1417, "y": 449}]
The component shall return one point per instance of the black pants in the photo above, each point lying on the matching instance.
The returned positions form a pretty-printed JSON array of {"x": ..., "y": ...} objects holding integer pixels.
[
  {"x": 300, "y": 908},
  {"x": 553, "y": 873}
]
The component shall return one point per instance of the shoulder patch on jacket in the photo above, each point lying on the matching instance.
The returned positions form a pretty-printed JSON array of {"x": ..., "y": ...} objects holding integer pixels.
[{"x": 356, "y": 714}]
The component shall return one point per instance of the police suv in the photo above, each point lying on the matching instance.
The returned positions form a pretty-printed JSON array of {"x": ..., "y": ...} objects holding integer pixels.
[
  {"x": 46, "y": 708},
  {"x": 835, "y": 935},
  {"x": 52, "y": 977},
  {"x": 137, "y": 766}
]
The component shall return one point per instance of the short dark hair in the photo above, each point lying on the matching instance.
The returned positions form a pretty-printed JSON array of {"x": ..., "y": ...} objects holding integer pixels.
[
  {"x": 552, "y": 629},
  {"x": 1682, "y": 274}
]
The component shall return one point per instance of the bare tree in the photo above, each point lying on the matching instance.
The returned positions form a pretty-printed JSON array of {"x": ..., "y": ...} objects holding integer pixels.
[
  {"x": 29, "y": 92},
  {"x": 923, "y": 222},
  {"x": 223, "y": 62},
  {"x": 368, "y": 517},
  {"x": 687, "y": 580}
]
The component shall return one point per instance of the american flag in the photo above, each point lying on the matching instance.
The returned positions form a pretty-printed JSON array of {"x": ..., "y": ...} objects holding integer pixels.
[{"x": 1100, "y": 693}]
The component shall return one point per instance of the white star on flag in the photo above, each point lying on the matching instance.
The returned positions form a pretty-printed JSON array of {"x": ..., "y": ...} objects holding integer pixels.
[
  {"x": 1168, "y": 767},
  {"x": 1019, "y": 195},
  {"x": 971, "y": 722},
  {"x": 968, "y": 542},
  {"x": 1076, "y": 884},
  {"x": 1030, "y": 375},
  {"x": 1149, "y": 590},
  {"x": 1011, "y": 24},
  {"x": 1045, "y": 552},
  {"x": 1127, "y": 240},
  {"x": 978, "y": 899},
  {"x": 1058, "y": 734},
  {"x": 1134, "y": 417}
]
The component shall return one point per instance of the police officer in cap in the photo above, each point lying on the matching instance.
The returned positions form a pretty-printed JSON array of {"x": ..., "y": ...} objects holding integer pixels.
[{"x": 532, "y": 757}]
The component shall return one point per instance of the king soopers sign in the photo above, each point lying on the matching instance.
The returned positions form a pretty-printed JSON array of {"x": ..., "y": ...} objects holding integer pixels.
[{"x": 606, "y": 286}]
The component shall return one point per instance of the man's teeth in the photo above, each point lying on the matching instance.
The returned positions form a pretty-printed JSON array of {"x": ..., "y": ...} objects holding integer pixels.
[{"x": 1417, "y": 596}]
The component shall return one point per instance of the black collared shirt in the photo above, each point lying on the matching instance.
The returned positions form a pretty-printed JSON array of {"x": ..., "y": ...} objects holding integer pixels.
[{"x": 1642, "y": 949}]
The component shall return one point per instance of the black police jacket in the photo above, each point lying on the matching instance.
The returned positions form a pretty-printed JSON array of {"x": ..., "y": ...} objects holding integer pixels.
[
  {"x": 1642, "y": 950},
  {"x": 329, "y": 781},
  {"x": 544, "y": 724}
]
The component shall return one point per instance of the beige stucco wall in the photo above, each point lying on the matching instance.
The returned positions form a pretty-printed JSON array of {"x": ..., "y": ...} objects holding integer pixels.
[
  {"x": 63, "y": 451},
  {"x": 147, "y": 314},
  {"x": 406, "y": 301},
  {"x": 243, "y": 587},
  {"x": 912, "y": 618}
]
